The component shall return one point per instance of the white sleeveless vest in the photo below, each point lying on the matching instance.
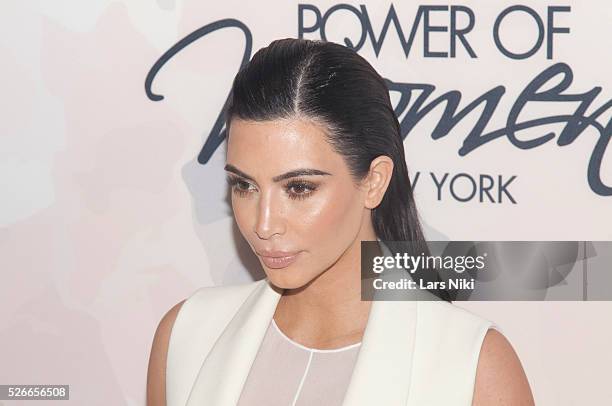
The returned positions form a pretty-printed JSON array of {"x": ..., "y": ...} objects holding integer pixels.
[{"x": 412, "y": 352}]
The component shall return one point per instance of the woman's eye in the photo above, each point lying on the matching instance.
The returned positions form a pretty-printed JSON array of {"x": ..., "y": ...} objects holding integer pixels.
[
  {"x": 300, "y": 189},
  {"x": 297, "y": 189},
  {"x": 242, "y": 185},
  {"x": 239, "y": 187}
]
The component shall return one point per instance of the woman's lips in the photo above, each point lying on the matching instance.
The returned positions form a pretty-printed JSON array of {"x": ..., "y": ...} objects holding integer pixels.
[{"x": 279, "y": 262}]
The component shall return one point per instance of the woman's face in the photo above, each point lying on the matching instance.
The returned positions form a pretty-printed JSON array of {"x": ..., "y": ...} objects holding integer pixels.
[{"x": 292, "y": 193}]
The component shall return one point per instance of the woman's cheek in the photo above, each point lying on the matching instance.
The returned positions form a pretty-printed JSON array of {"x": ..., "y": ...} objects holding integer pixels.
[
  {"x": 323, "y": 216},
  {"x": 243, "y": 213},
  {"x": 344, "y": 216}
]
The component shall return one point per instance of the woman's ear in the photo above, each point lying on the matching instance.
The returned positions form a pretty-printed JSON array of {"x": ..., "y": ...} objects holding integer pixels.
[{"x": 377, "y": 181}]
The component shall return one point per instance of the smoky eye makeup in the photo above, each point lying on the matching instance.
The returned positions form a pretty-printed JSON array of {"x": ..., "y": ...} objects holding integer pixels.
[
  {"x": 300, "y": 188},
  {"x": 295, "y": 188},
  {"x": 238, "y": 185}
]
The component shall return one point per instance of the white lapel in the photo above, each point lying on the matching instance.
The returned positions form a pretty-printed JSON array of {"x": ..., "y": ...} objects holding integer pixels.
[
  {"x": 225, "y": 369},
  {"x": 382, "y": 369},
  {"x": 384, "y": 365}
]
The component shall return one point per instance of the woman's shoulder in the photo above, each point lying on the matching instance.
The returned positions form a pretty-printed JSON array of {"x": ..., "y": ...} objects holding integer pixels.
[
  {"x": 188, "y": 319},
  {"x": 451, "y": 332},
  {"x": 197, "y": 305},
  {"x": 156, "y": 372},
  {"x": 204, "y": 307},
  {"x": 495, "y": 368},
  {"x": 500, "y": 377}
]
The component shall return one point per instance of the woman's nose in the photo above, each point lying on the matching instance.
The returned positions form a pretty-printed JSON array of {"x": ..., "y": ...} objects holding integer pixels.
[{"x": 270, "y": 218}]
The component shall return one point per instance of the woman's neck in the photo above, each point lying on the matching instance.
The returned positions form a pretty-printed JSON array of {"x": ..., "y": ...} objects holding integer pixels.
[{"x": 328, "y": 312}]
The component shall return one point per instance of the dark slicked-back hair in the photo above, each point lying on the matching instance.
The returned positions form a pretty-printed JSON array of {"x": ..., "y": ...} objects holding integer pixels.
[{"x": 335, "y": 87}]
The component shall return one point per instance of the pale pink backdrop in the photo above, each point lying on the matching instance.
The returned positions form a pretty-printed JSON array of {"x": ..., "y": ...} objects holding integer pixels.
[{"x": 107, "y": 220}]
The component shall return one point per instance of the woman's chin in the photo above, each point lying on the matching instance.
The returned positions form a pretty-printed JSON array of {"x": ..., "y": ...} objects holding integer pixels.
[{"x": 286, "y": 279}]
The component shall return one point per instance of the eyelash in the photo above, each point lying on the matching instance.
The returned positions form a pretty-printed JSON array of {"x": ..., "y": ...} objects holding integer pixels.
[{"x": 295, "y": 183}]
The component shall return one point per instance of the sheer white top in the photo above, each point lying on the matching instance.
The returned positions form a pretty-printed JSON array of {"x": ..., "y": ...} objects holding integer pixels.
[{"x": 287, "y": 373}]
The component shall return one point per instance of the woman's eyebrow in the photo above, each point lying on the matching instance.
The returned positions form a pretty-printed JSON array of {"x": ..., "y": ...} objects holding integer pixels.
[{"x": 291, "y": 174}]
